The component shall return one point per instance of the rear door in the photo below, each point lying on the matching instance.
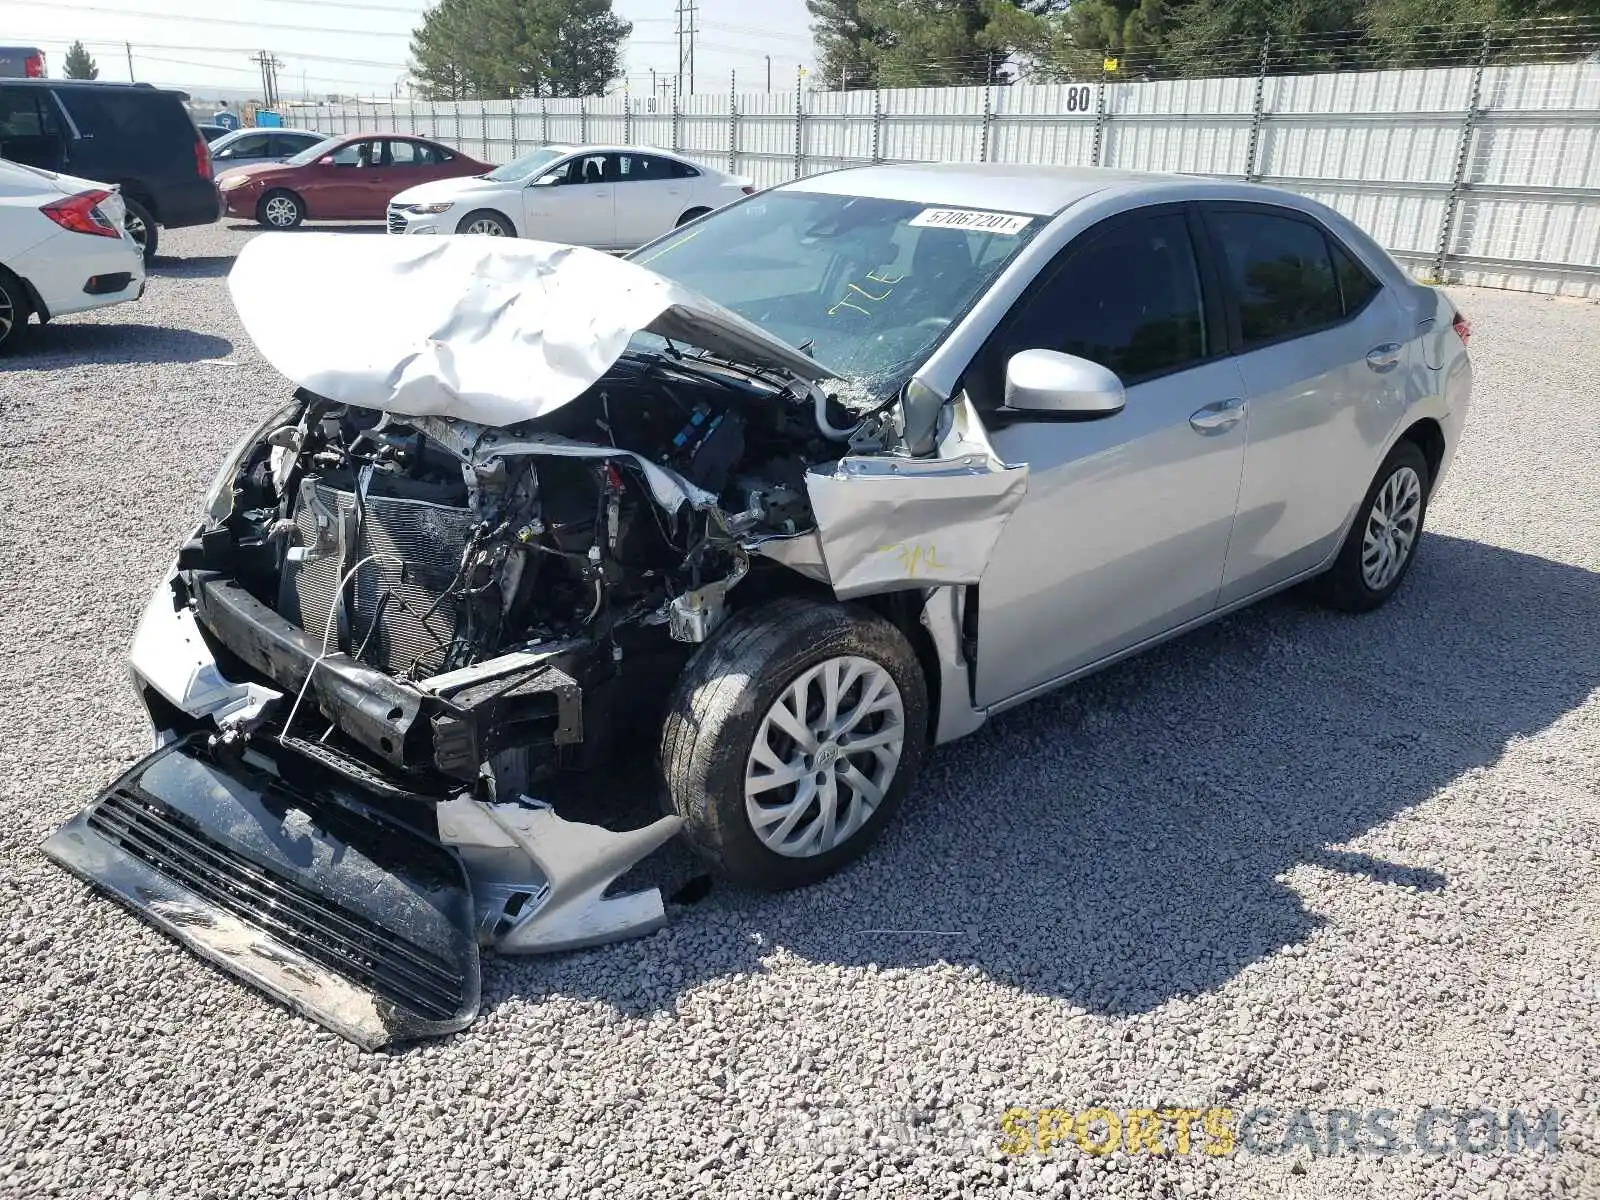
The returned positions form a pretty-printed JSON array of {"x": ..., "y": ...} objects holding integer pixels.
[
  {"x": 1322, "y": 349},
  {"x": 651, "y": 197},
  {"x": 572, "y": 203},
  {"x": 1124, "y": 530}
]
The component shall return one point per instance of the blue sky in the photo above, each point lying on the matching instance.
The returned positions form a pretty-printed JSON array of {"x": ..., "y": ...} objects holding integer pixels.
[{"x": 351, "y": 45}]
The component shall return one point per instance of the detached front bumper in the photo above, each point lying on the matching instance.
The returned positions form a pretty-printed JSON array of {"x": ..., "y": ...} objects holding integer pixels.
[{"x": 357, "y": 894}]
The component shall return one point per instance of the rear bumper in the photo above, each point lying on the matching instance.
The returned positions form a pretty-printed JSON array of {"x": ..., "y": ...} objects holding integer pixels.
[
  {"x": 194, "y": 203},
  {"x": 60, "y": 267}
]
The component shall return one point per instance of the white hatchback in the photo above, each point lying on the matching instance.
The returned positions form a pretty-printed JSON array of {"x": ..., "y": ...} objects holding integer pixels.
[
  {"x": 63, "y": 248},
  {"x": 610, "y": 198}
]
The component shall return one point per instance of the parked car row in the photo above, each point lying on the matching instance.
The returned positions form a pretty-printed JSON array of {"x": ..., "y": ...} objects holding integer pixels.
[{"x": 607, "y": 197}]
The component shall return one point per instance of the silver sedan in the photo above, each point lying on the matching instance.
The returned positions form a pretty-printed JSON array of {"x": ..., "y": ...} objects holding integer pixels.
[{"x": 1218, "y": 391}]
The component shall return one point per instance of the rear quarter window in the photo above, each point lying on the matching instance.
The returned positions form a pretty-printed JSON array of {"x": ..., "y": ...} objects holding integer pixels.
[{"x": 134, "y": 117}]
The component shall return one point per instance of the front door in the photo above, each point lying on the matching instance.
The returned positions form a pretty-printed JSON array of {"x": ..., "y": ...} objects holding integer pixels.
[
  {"x": 1323, "y": 354},
  {"x": 573, "y": 203},
  {"x": 1124, "y": 529}
]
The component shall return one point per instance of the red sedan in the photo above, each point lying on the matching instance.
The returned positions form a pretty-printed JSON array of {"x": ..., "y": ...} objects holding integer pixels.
[{"x": 350, "y": 177}]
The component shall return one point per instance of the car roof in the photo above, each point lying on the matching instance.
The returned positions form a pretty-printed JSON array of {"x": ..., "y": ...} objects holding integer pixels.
[
  {"x": 103, "y": 85},
  {"x": 234, "y": 134},
  {"x": 1038, "y": 190}
]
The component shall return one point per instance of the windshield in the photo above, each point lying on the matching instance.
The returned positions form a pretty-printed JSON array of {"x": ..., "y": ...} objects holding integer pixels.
[
  {"x": 867, "y": 286},
  {"x": 311, "y": 153},
  {"x": 521, "y": 168}
]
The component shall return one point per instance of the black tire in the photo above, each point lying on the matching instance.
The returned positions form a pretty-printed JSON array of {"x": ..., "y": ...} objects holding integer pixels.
[
  {"x": 488, "y": 217},
  {"x": 15, "y": 308},
  {"x": 280, "y": 209},
  {"x": 721, "y": 700},
  {"x": 141, "y": 227},
  {"x": 1345, "y": 585},
  {"x": 694, "y": 214}
]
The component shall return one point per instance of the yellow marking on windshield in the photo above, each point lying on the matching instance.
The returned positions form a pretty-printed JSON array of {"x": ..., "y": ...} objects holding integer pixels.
[
  {"x": 683, "y": 241},
  {"x": 887, "y": 281}
]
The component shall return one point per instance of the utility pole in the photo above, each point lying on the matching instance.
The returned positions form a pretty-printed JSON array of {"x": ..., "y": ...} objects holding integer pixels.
[
  {"x": 128, "y": 46},
  {"x": 686, "y": 37}
]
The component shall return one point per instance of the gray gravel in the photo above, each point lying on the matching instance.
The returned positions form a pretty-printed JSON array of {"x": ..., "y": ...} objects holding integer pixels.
[{"x": 1295, "y": 860}]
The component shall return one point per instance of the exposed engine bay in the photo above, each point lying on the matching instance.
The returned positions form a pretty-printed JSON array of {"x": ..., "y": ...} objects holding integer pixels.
[{"x": 427, "y": 548}]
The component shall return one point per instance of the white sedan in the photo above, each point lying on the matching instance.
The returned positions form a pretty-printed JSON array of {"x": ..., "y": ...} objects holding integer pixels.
[
  {"x": 610, "y": 198},
  {"x": 63, "y": 248}
]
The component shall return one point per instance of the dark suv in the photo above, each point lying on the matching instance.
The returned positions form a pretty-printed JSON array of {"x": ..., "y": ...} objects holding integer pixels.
[{"x": 130, "y": 134}]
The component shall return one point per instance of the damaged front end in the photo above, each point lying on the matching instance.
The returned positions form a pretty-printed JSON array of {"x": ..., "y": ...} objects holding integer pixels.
[{"x": 474, "y": 548}]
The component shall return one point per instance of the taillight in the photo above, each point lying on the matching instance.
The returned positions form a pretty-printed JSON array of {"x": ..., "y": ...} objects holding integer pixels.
[
  {"x": 202, "y": 156},
  {"x": 81, "y": 214},
  {"x": 33, "y": 66},
  {"x": 1463, "y": 328},
  {"x": 748, "y": 190}
]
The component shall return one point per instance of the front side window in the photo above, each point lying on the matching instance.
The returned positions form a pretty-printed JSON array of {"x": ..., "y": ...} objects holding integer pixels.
[
  {"x": 1127, "y": 297},
  {"x": 869, "y": 286},
  {"x": 1281, "y": 273}
]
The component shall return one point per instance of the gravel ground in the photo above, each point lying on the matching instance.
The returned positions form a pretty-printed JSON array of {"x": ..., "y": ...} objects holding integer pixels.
[{"x": 1295, "y": 860}]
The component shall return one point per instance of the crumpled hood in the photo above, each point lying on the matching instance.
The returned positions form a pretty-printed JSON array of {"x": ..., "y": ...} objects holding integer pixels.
[{"x": 493, "y": 330}]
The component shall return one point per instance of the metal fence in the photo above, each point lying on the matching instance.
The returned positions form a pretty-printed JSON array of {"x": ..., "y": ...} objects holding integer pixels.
[{"x": 1485, "y": 174}]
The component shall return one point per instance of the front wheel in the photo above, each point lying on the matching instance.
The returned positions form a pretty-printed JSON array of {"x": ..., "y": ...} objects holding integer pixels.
[
  {"x": 280, "y": 210},
  {"x": 791, "y": 739},
  {"x": 489, "y": 224},
  {"x": 1382, "y": 542}
]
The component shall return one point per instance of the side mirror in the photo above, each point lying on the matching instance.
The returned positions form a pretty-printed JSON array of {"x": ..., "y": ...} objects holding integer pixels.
[
  {"x": 325, "y": 161},
  {"x": 1047, "y": 383},
  {"x": 545, "y": 181}
]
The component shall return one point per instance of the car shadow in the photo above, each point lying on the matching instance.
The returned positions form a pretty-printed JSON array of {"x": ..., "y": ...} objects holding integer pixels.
[
  {"x": 201, "y": 266},
  {"x": 1123, "y": 842},
  {"x": 70, "y": 343},
  {"x": 374, "y": 226}
]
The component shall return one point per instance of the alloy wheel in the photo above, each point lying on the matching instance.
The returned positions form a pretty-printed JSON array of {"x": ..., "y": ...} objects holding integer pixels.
[
  {"x": 824, "y": 757},
  {"x": 1392, "y": 525},
  {"x": 486, "y": 225},
  {"x": 136, "y": 228},
  {"x": 8, "y": 313},
  {"x": 282, "y": 212}
]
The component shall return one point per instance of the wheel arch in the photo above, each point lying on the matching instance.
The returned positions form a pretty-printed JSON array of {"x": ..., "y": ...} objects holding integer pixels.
[
  {"x": 1428, "y": 436},
  {"x": 492, "y": 211},
  {"x": 133, "y": 190},
  {"x": 903, "y": 610}
]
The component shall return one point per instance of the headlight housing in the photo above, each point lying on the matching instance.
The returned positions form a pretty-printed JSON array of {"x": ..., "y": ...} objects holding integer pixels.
[
  {"x": 430, "y": 210},
  {"x": 218, "y": 503},
  {"x": 228, "y": 182}
]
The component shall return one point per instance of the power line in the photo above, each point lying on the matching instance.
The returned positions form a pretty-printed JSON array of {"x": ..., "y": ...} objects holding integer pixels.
[{"x": 157, "y": 16}]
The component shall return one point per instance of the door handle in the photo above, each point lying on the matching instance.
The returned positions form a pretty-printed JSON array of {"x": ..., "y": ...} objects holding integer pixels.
[
  {"x": 1214, "y": 418},
  {"x": 1385, "y": 357}
]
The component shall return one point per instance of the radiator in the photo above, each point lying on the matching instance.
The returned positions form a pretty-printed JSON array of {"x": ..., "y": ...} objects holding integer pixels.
[{"x": 385, "y": 628}]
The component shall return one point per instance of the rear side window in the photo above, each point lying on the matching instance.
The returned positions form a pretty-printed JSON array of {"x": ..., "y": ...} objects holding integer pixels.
[
  {"x": 1282, "y": 274},
  {"x": 26, "y": 113},
  {"x": 680, "y": 170},
  {"x": 1356, "y": 287},
  {"x": 132, "y": 117},
  {"x": 1128, "y": 299},
  {"x": 284, "y": 145}
]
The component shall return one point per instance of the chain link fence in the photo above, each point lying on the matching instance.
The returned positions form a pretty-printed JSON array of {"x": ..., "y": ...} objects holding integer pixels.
[{"x": 1483, "y": 172}]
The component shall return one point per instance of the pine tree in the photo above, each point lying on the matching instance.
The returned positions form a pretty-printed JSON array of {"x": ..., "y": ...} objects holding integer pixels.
[
  {"x": 79, "y": 65},
  {"x": 480, "y": 49}
]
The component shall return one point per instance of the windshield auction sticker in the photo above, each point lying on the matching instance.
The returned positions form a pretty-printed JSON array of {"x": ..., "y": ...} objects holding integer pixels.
[{"x": 1005, "y": 224}]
